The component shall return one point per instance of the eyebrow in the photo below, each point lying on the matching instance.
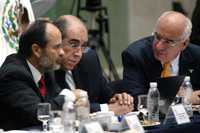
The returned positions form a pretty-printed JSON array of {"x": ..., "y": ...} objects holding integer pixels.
[
  {"x": 57, "y": 45},
  {"x": 167, "y": 39}
]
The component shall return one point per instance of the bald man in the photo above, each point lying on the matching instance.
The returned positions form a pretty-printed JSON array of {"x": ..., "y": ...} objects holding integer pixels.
[
  {"x": 81, "y": 69},
  {"x": 143, "y": 60}
]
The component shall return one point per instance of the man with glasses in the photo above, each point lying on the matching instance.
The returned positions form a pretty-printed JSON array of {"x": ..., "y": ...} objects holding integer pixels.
[
  {"x": 81, "y": 69},
  {"x": 168, "y": 49}
]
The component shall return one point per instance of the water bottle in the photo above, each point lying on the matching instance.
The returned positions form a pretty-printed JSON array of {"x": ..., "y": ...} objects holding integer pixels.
[
  {"x": 69, "y": 115},
  {"x": 186, "y": 94},
  {"x": 153, "y": 98},
  {"x": 82, "y": 109}
]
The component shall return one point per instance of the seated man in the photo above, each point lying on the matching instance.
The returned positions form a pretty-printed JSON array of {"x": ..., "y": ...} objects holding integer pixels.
[
  {"x": 87, "y": 74},
  {"x": 168, "y": 49},
  {"x": 22, "y": 75}
]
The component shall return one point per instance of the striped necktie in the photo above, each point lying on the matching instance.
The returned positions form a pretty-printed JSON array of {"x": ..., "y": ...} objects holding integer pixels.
[
  {"x": 69, "y": 79},
  {"x": 166, "y": 70}
]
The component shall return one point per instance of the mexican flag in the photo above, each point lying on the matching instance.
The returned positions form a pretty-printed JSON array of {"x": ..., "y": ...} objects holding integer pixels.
[{"x": 9, "y": 25}]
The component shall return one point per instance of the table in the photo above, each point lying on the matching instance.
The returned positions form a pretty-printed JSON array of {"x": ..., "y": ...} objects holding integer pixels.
[{"x": 193, "y": 127}]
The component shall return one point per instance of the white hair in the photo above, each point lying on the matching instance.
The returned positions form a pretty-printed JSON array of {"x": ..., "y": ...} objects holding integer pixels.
[{"x": 188, "y": 24}]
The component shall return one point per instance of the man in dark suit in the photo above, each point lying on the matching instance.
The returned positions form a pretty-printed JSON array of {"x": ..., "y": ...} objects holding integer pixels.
[
  {"x": 195, "y": 35},
  {"x": 89, "y": 80},
  {"x": 144, "y": 60},
  {"x": 39, "y": 51},
  {"x": 86, "y": 75}
]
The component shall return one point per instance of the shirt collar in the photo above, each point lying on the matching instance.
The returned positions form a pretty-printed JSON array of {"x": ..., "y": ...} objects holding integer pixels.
[
  {"x": 36, "y": 74},
  {"x": 175, "y": 61}
]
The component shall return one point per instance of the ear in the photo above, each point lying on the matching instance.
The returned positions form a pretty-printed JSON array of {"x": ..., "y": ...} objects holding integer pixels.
[
  {"x": 185, "y": 44},
  {"x": 36, "y": 49}
]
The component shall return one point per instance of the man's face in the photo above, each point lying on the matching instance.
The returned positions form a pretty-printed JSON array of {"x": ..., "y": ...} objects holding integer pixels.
[
  {"x": 52, "y": 53},
  {"x": 167, "y": 44},
  {"x": 73, "y": 46}
]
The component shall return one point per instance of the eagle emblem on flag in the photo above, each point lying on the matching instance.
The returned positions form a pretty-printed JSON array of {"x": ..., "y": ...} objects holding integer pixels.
[{"x": 10, "y": 24}]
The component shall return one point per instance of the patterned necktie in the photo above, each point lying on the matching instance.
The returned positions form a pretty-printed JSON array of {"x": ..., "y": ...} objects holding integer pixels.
[
  {"x": 70, "y": 80},
  {"x": 166, "y": 70},
  {"x": 42, "y": 87}
]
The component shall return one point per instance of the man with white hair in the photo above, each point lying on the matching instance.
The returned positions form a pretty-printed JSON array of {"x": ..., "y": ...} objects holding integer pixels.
[{"x": 168, "y": 49}]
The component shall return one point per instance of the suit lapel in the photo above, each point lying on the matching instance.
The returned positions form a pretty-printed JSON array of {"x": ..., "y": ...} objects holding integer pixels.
[
  {"x": 77, "y": 76},
  {"x": 60, "y": 79},
  {"x": 185, "y": 59},
  {"x": 29, "y": 73},
  {"x": 153, "y": 66},
  {"x": 81, "y": 78}
]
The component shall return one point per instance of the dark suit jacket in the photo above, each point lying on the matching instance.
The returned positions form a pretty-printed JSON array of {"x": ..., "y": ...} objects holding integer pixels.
[
  {"x": 19, "y": 95},
  {"x": 141, "y": 67},
  {"x": 195, "y": 36},
  {"x": 88, "y": 76}
]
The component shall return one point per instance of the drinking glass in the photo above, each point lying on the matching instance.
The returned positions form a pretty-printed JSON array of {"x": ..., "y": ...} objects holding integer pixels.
[
  {"x": 142, "y": 102},
  {"x": 142, "y": 105},
  {"x": 55, "y": 123},
  {"x": 43, "y": 114}
]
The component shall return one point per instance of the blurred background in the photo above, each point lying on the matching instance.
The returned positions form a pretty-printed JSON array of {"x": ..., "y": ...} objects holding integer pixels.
[{"x": 122, "y": 21}]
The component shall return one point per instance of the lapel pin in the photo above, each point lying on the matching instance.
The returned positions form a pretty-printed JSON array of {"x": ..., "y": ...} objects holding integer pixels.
[{"x": 191, "y": 70}]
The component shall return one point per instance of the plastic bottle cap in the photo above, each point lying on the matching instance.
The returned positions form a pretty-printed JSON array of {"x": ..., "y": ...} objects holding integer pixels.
[
  {"x": 187, "y": 78},
  {"x": 153, "y": 84}
]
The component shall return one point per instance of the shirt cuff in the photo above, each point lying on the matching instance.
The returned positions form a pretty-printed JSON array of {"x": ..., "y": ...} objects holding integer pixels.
[
  {"x": 68, "y": 93},
  {"x": 104, "y": 107}
]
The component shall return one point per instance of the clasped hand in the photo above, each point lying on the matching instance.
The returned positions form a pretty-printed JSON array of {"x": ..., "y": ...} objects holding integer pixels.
[{"x": 121, "y": 103}]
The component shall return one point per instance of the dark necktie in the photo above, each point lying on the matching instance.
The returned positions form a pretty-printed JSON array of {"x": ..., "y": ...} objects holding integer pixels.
[{"x": 42, "y": 87}]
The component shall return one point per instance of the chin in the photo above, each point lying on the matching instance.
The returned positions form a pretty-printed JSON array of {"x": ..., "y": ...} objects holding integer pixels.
[
  {"x": 70, "y": 68},
  {"x": 160, "y": 58},
  {"x": 56, "y": 67}
]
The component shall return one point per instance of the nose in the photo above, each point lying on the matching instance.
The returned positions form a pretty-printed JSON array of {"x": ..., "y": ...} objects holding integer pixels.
[
  {"x": 159, "y": 45},
  {"x": 60, "y": 52},
  {"x": 78, "y": 52}
]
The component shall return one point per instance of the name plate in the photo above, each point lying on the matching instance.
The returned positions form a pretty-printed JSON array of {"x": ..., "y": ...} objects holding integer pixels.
[
  {"x": 92, "y": 127},
  {"x": 180, "y": 114},
  {"x": 132, "y": 122}
]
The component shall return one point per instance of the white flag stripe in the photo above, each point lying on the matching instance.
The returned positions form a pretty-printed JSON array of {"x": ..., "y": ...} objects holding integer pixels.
[{"x": 9, "y": 26}]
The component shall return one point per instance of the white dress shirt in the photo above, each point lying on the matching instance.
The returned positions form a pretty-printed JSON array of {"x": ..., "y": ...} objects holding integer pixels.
[
  {"x": 70, "y": 81},
  {"x": 36, "y": 74},
  {"x": 175, "y": 66}
]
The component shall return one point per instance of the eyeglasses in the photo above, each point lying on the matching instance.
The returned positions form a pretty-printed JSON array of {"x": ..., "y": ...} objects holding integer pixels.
[
  {"x": 74, "y": 44},
  {"x": 168, "y": 42}
]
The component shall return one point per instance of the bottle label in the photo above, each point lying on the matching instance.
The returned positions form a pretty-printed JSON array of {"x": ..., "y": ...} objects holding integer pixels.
[{"x": 82, "y": 113}]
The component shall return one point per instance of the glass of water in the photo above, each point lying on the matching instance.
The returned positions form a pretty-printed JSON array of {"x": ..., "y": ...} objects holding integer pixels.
[
  {"x": 55, "y": 123},
  {"x": 43, "y": 114},
  {"x": 142, "y": 105},
  {"x": 142, "y": 102}
]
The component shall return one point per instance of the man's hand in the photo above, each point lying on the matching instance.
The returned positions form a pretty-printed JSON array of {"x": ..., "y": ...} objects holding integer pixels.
[
  {"x": 122, "y": 99},
  {"x": 195, "y": 99},
  {"x": 119, "y": 109},
  {"x": 77, "y": 93}
]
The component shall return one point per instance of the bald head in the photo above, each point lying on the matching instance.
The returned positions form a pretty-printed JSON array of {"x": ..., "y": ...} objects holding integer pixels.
[
  {"x": 172, "y": 32},
  {"x": 69, "y": 22},
  {"x": 70, "y": 19},
  {"x": 74, "y": 40},
  {"x": 176, "y": 23}
]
